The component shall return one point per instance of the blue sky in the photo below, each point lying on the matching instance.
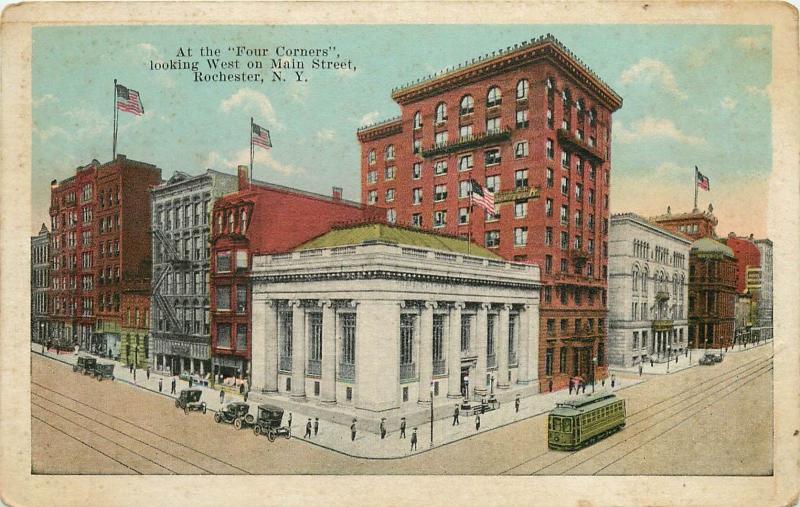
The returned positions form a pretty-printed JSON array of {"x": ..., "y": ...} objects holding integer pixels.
[{"x": 693, "y": 95}]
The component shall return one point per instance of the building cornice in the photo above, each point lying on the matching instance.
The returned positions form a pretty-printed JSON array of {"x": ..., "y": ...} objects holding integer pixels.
[
  {"x": 644, "y": 222},
  {"x": 380, "y": 129}
]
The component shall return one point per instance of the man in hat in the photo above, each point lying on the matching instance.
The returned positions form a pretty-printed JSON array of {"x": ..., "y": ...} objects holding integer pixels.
[
  {"x": 383, "y": 428},
  {"x": 477, "y": 422},
  {"x": 316, "y": 426},
  {"x": 414, "y": 439},
  {"x": 353, "y": 431},
  {"x": 455, "y": 416},
  {"x": 402, "y": 427},
  {"x": 308, "y": 429},
  {"x": 174, "y": 383},
  {"x": 290, "y": 421},
  {"x": 160, "y": 384},
  {"x": 516, "y": 404}
]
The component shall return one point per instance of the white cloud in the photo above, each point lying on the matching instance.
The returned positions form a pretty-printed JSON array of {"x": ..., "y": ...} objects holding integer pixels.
[
  {"x": 261, "y": 159},
  {"x": 253, "y": 102},
  {"x": 326, "y": 135},
  {"x": 671, "y": 170},
  {"x": 369, "y": 118},
  {"x": 44, "y": 99},
  {"x": 653, "y": 128},
  {"x": 753, "y": 43},
  {"x": 648, "y": 70},
  {"x": 149, "y": 51},
  {"x": 728, "y": 103}
]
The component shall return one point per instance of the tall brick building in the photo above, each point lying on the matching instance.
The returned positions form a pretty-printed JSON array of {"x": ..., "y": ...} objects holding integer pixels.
[
  {"x": 100, "y": 250},
  {"x": 533, "y": 125},
  {"x": 259, "y": 218},
  {"x": 712, "y": 294}
]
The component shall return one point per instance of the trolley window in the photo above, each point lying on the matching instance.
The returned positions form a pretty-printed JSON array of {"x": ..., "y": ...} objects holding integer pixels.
[
  {"x": 567, "y": 425},
  {"x": 557, "y": 424}
]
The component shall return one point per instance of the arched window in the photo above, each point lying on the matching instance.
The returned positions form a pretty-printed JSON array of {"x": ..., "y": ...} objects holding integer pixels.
[
  {"x": 635, "y": 284},
  {"x": 566, "y": 97},
  {"x": 219, "y": 223},
  {"x": 388, "y": 154},
  {"x": 494, "y": 97},
  {"x": 592, "y": 117},
  {"x": 371, "y": 157},
  {"x": 441, "y": 112},
  {"x": 522, "y": 89},
  {"x": 244, "y": 221},
  {"x": 644, "y": 281},
  {"x": 467, "y": 105},
  {"x": 417, "y": 120}
]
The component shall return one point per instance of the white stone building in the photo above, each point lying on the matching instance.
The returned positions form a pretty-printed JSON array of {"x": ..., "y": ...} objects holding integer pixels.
[
  {"x": 374, "y": 318},
  {"x": 764, "y": 324},
  {"x": 648, "y": 291}
]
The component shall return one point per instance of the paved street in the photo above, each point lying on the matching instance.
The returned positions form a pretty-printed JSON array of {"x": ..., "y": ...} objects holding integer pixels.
[{"x": 702, "y": 420}]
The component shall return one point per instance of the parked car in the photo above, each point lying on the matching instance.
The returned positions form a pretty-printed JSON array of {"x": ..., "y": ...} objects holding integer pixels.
[
  {"x": 718, "y": 357},
  {"x": 85, "y": 365},
  {"x": 189, "y": 399},
  {"x": 269, "y": 421},
  {"x": 236, "y": 413},
  {"x": 103, "y": 371},
  {"x": 707, "y": 359}
]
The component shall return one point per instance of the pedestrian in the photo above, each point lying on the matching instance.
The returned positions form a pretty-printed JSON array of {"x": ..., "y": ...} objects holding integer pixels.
[
  {"x": 134, "y": 375},
  {"x": 316, "y": 426},
  {"x": 173, "y": 385},
  {"x": 676, "y": 359},
  {"x": 245, "y": 395},
  {"x": 686, "y": 352},
  {"x": 613, "y": 381},
  {"x": 221, "y": 397},
  {"x": 455, "y": 416},
  {"x": 160, "y": 385},
  {"x": 290, "y": 420},
  {"x": 131, "y": 367},
  {"x": 308, "y": 429},
  {"x": 516, "y": 405},
  {"x": 583, "y": 387},
  {"x": 353, "y": 431},
  {"x": 190, "y": 382},
  {"x": 383, "y": 428},
  {"x": 570, "y": 386},
  {"x": 550, "y": 385},
  {"x": 651, "y": 362},
  {"x": 477, "y": 422},
  {"x": 603, "y": 382},
  {"x": 414, "y": 439},
  {"x": 640, "y": 369},
  {"x": 148, "y": 373},
  {"x": 402, "y": 427}
]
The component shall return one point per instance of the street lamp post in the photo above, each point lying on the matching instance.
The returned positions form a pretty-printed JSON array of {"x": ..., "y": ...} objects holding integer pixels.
[
  {"x": 668, "y": 358},
  {"x": 594, "y": 367},
  {"x": 431, "y": 414}
]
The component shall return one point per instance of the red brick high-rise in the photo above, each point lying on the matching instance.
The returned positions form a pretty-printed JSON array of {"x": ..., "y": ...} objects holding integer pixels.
[{"x": 532, "y": 124}]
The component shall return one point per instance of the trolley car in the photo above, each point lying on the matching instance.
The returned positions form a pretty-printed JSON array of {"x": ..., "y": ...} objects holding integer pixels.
[{"x": 583, "y": 421}]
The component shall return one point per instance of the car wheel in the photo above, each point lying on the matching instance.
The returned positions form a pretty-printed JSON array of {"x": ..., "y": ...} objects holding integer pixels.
[
  {"x": 237, "y": 423},
  {"x": 177, "y": 404},
  {"x": 186, "y": 409},
  {"x": 249, "y": 419},
  {"x": 288, "y": 435},
  {"x": 205, "y": 407},
  {"x": 257, "y": 430},
  {"x": 217, "y": 418},
  {"x": 270, "y": 436}
]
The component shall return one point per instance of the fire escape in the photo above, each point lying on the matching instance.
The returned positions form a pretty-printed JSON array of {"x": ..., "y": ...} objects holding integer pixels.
[{"x": 171, "y": 259}]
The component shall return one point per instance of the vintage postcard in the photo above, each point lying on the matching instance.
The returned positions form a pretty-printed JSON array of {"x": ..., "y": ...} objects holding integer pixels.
[{"x": 400, "y": 253}]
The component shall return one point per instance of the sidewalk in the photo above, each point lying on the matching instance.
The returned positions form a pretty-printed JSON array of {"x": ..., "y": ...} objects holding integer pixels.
[
  {"x": 367, "y": 444},
  {"x": 663, "y": 368}
]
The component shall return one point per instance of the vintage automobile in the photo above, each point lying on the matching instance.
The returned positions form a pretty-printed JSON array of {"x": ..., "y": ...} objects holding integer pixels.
[
  {"x": 707, "y": 359},
  {"x": 236, "y": 413},
  {"x": 85, "y": 365},
  {"x": 189, "y": 399},
  {"x": 103, "y": 371},
  {"x": 269, "y": 421},
  {"x": 718, "y": 357}
]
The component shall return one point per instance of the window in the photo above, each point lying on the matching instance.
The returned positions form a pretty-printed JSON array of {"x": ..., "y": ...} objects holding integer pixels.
[
  {"x": 391, "y": 215},
  {"x": 439, "y": 218},
  {"x": 494, "y": 97},
  {"x": 372, "y": 177},
  {"x": 390, "y": 172},
  {"x": 492, "y": 157},
  {"x": 467, "y": 105},
  {"x": 441, "y": 113},
  {"x": 463, "y": 216},
  {"x": 371, "y": 157},
  {"x": 562, "y": 367},
  {"x": 440, "y": 138},
  {"x": 241, "y": 260},
  {"x": 492, "y": 239},
  {"x": 464, "y": 188},
  {"x": 223, "y": 297},
  {"x": 592, "y": 141},
  {"x": 564, "y": 240},
  {"x": 465, "y": 162},
  {"x": 548, "y": 362},
  {"x": 521, "y": 149},
  {"x": 520, "y": 236},
  {"x": 466, "y": 323},
  {"x": 565, "y": 159},
  {"x": 578, "y": 218},
  {"x": 438, "y": 338},
  {"x": 241, "y": 336},
  {"x": 349, "y": 338},
  {"x": 223, "y": 262},
  {"x": 564, "y": 214},
  {"x": 465, "y": 132},
  {"x": 416, "y": 196},
  {"x": 548, "y": 236},
  {"x": 372, "y": 197},
  {"x": 407, "y": 338},
  {"x": 439, "y": 193},
  {"x": 416, "y": 171},
  {"x": 564, "y": 268},
  {"x": 550, "y": 118},
  {"x": 520, "y": 209},
  {"x": 388, "y": 153},
  {"x": 549, "y": 149},
  {"x": 548, "y": 207},
  {"x": 416, "y": 220},
  {"x": 389, "y": 195},
  {"x": 224, "y": 336},
  {"x": 592, "y": 172},
  {"x": 548, "y": 263},
  {"x": 521, "y": 178},
  {"x": 492, "y": 125},
  {"x": 591, "y": 196},
  {"x": 440, "y": 167},
  {"x": 493, "y": 183},
  {"x": 591, "y": 246},
  {"x": 564, "y": 185},
  {"x": 522, "y": 118},
  {"x": 578, "y": 243},
  {"x": 417, "y": 120},
  {"x": 578, "y": 191}
]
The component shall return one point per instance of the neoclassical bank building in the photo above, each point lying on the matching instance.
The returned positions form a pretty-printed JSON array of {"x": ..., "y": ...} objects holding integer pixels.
[{"x": 380, "y": 318}]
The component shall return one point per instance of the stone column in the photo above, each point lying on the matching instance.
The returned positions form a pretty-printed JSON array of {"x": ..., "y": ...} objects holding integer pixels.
[
  {"x": 454, "y": 352},
  {"x": 522, "y": 349},
  {"x": 270, "y": 346},
  {"x": 298, "y": 349},
  {"x": 258, "y": 356},
  {"x": 328, "y": 383},
  {"x": 502, "y": 348},
  {"x": 426, "y": 352},
  {"x": 533, "y": 341},
  {"x": 481, "y": 347},
  {"x": 377, "y": 355},
  {"x": 202, "y": 368}
]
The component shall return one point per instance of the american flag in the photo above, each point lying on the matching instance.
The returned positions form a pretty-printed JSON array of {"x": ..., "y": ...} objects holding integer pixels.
[
  {"x": 128, "y": 100},
  {"x": 260, "y": 137},
  {"x": 702, "y": 181},
  {"x": 482, "y": 197}
]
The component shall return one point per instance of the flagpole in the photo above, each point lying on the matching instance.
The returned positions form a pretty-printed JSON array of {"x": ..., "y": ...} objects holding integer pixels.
[
  {"x": 116, "y": 116},
  {"x": 695, "y": 187},
  {"x": 469, "y": 221},
  {"x": 250, "y": 178}
]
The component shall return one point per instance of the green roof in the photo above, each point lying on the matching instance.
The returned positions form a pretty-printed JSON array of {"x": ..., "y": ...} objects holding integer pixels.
[
  {"x": 711, "y": 246},
  {"x": 383, "y": 233}
]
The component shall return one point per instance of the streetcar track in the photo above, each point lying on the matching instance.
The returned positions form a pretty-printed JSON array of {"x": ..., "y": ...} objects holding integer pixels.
[
  {"x": 142, "y": 428},
  {"x": 735, "y": 372},
  {"x": 686, "y": 418},
  {"x": 86, "y": 444},
  {"x": 628, "y": 436},
  {"x": 158, "y": 450}
]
